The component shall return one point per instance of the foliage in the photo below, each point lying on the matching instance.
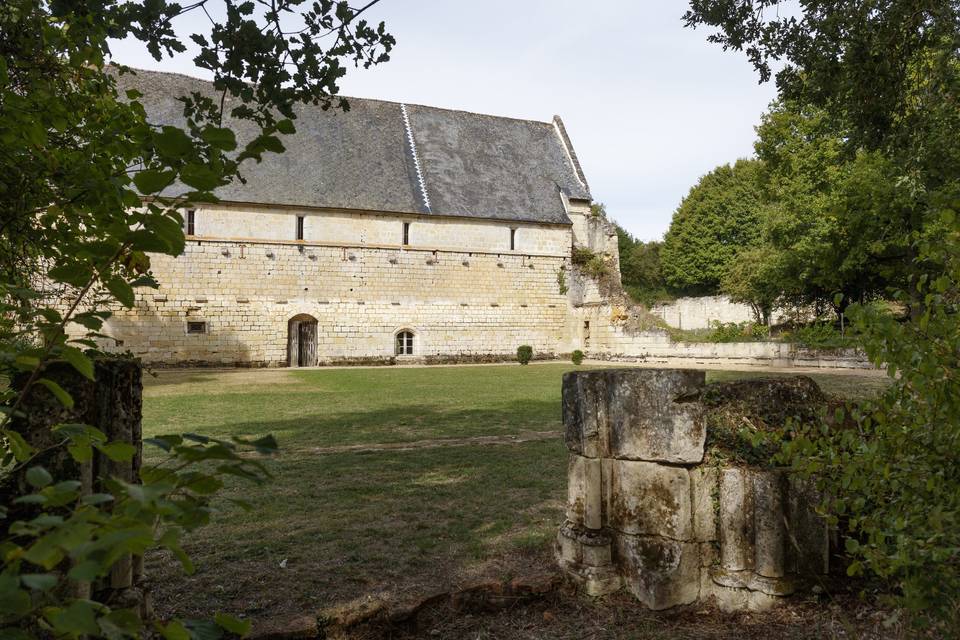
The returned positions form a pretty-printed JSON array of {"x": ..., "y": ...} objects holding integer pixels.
[
  {"x": 753, "y": 279},
  {"x": 577, "y": 357},
  {"x": 640, "y": 271},
  {"x": 821, "y": 335},
  {"x": 524, "y": 354},
  {"x": 562, "y": 287},
  {"x": 882, "y": 80},
  {"x": 840, "y": 223},
  {"x": 593, "y": 264},
  {"x": 91, "y": 187},
  {"x": 719, "y": 218},
  {"x": 723, "y": 332}
]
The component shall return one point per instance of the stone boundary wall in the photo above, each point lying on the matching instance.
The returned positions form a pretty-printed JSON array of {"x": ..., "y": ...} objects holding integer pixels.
[
  {"x": 645, "y": 513},
  {"x": 612, "y": 338},
  {"x": 700, "y": 311}
]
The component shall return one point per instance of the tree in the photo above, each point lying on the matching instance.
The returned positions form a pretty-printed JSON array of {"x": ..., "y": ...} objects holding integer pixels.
[
  {"x": 90, "y": 187},
  {"x": 719, "y": 218},
  {"x": 886, "y": 77},
  {"x": 640, "y": 271},
  {"x": 834, "y": 223},
  {"x": 753, "y": 279}
]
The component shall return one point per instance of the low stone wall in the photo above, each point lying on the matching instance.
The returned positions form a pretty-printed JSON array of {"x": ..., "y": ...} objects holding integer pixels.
[
  {"x": 647, "y": 514},
  {"x": 759, "y": 354}
]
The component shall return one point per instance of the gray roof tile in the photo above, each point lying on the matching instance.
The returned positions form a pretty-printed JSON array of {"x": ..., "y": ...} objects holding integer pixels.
[{"x": 473, "y": 165}]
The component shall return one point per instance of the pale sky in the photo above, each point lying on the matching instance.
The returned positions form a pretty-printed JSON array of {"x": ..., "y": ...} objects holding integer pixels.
[{"x": 649, "y": 105}]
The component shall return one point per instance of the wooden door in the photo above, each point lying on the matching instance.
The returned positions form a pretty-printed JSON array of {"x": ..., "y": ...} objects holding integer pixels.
[{"x": 307, "y": 339}]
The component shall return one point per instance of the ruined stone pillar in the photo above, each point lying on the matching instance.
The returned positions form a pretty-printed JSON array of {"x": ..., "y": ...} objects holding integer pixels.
[
  {"x": 645, "y": 512},
  {"x": 111, "y": 402}
]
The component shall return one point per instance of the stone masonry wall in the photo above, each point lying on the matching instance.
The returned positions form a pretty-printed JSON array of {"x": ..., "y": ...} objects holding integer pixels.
[
  {"x": 459, "y": 304},
  {"x": 645, "y": 513}
]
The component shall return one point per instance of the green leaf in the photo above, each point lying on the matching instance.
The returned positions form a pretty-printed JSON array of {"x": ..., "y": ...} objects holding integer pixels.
[
  {"x": 199, "y": 176},
  {"x": 174, "y": 631},
  {"x": 233, "y": 625},
  {"x": 153, "y": 180},
  {"x": 117, "y": 451},
  {"x": 74, "y": 274},
  {"x": 39, "y": 581},
  {"x": 18, "y": 446},
  {"x": 121, "y": 290},
  {"x": 79, "y": 618},
  {"x": 221, "y": 138},
  {"x": 286, "y": 126},
  {"x": 38, "y": 477},
  {"x": 172, "y": 141},
  {"x": 65, "y": 398},
  {"x": 78, "y": 361}
]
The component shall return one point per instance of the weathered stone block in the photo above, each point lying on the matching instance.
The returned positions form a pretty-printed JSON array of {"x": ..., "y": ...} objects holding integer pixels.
[
  {"x": 736, "y": 520},
  {"x": 584, "y": 413},
  {"x": 661, "y": 573},
  {"x": 585, "y": 492},
  {"x": 809, "y": 550},
  {"x": 650, "y": 499},
  {"x": 769, "y": 522},
  {"x": 705, "y": 495},
  {"x": 653, "y": 414}
]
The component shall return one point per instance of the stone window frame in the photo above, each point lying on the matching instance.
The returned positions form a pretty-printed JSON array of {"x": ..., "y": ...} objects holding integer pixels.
[
  {"x": 203, "y": 325},
  {"x": 190, "y": 222},
  {"x": 410, "y": 343},
  {"x": 300, "y": 227}
]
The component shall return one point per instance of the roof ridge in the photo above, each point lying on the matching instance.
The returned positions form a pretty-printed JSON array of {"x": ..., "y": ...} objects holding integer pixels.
[{"x": 416, "y": 159}]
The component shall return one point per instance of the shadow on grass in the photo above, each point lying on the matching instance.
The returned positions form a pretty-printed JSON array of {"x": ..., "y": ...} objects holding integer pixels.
[
  {"x": 313, "y": 426},
  {"x": 330, "y": 528}
]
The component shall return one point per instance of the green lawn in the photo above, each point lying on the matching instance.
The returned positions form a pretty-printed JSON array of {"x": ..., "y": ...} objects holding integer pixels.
[{"x": 348, "y": 524}]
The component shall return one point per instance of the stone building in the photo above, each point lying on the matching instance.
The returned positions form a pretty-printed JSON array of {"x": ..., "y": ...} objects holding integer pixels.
[{"x": 385, "y": 233}]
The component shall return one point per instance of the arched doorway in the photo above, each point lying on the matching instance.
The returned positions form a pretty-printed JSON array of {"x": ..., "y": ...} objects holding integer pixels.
[{"x": 302, "y": 341}]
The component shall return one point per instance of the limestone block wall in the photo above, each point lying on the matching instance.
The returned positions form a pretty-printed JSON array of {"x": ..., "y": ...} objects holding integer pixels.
[
  {"x": 458, "y": 304},
  {"x": 699, "y": 312},
  {"x": 646, "y": 514},
  {"x": 379, "y": 229}
]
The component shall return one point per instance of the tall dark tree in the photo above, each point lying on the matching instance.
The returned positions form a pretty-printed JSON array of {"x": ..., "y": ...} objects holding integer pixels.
[{"x": 719, "y": 218}]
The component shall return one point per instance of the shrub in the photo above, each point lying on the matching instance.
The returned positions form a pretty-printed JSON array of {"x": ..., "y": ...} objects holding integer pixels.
[
  {"x": 581, "y": 256},
  {"x": 577, "y": 357},
  {"x": 820, "y": 335},
  {"x": 524, "y": 354}
]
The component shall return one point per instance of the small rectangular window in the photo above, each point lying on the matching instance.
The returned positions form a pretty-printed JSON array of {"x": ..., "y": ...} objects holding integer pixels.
[
  {"x": 196, "y": 327},
  {"x": 406, "y": 233},
  {"x": 513, "y": 239},
  {"x": 191, "y": 222},
  {"x": 299, "y": 227}
]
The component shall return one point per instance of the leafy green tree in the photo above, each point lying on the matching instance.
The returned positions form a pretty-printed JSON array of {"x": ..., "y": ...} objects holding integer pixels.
[
  {"x": 885, "y": 76},
  {"x": 754, "y": 279},
  {"x": 836, "y": 223},
  {"x": 719, "y": 218},
  {"x": 80, "y": 210},
  {"x": 640, "y": 271}
]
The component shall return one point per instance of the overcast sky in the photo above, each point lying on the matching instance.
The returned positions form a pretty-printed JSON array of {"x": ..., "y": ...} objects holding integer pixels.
[{"x": 649, "y": 105}]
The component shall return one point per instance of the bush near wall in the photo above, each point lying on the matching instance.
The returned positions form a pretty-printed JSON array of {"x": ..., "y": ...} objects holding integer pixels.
[
  {"x": 577, "y": 357},
  {"x": 524, "y": 354}
]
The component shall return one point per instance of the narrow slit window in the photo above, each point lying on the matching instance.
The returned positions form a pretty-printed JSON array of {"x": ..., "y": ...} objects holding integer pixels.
[
  {"x": 196, "y": 327},
  {"x": 406, "y": 233},
  {"x": 299, "y": 227},
  {"x": 404, "y": 343},
  {"x": 513, "y": 239},
  {"x": 191, "y": 222}
]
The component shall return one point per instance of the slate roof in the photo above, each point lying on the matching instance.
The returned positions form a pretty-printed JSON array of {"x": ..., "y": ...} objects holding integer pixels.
[{"x": 472, "y": 165}]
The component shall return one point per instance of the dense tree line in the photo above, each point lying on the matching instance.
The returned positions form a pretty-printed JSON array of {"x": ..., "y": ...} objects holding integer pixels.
[{"x": 862, "y": 170}]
